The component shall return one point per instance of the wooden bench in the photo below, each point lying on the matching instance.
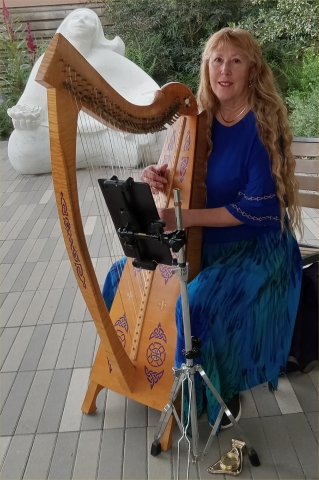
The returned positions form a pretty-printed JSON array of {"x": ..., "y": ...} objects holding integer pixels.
[{"x": 307, "y": 171}]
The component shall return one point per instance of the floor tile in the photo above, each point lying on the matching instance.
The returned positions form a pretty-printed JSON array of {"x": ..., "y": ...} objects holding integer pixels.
[
  {"x": 49, "y": 274},
  {"x": 69, "y": 346},
  {"x": 254, "y": 430},
  {"x": 19, "y": 346},
  {"x": 14, "y": 403},
  {"x": 115, "y": 410},
  {"x": 78, "y": 308},
  {"x": 84, "y": 355},
  {"x": 110, "y": 465},
  {"x": 248, "y": 405},
  {"x": 87, "y": 455},
  {"x": 136, "y": 414},
  {"x": 54, "y": 405},
  {"x": 35, "y": 348},
  {"x": 7, "y": 339},
  {"x": 160, "y": 467},
  {"x": 18, "y": 313},
  {"x": 135, "y": 456},
  {"x": 6, "y": 382},
  {"x": 36, "y": 276},
  {"x": 52, "y": 347},
  {"x": 64, "y": 456},
  {"x": 30, "y": 416},
  {"x": 72, "y": 414},
  {"x": 305, "y": 391},
  {"x": 50, "y": 306},
  {"x": 23, "y": 277},
  {"x": 304, "y": 443},
  {"x": 65, "y": 305},
  {"x": 4, "y": 445},
  {"x": 25, "y": 250},
  {"x": 17, "y": 456},
  {"x": 265, "y": 401},
  {"x": 286, "y": 397},
  {"x": 283, "y": 452},
  {"x": 11, "y": 277},
  {"x": 40, "y": 457}
]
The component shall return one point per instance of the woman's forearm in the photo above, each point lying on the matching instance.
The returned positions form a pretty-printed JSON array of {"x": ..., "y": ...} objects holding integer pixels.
[{"x": 211, "y": 217}]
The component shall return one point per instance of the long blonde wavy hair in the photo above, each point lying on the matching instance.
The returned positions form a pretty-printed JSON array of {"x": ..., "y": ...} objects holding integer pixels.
[{"x": 270, "y": 113}]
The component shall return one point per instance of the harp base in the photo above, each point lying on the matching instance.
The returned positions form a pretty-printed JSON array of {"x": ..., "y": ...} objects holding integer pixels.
[
  {"x": 99, "y": 380},
  {"x": 89, "y": 404}
]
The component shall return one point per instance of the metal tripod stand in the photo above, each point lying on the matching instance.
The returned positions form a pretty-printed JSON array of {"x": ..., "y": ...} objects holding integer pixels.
[{"x": 185, "y": 376}]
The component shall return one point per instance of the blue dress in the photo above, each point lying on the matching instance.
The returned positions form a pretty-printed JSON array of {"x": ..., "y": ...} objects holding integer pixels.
[{"x": 243, "y": 304}]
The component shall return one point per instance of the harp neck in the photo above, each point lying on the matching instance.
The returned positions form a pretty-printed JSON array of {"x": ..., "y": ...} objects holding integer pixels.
[{"x": 66, "y": 70}]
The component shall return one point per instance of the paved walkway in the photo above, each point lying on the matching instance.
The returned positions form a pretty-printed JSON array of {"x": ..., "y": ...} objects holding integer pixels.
[{"x": 48, "y": 342}]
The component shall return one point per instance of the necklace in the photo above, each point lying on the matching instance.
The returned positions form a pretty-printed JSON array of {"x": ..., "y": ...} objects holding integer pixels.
[{"x": 231, "y": 121}]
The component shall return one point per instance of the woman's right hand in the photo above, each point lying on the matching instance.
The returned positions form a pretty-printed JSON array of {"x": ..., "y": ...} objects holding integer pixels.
[{"x": 155, "y": 177}]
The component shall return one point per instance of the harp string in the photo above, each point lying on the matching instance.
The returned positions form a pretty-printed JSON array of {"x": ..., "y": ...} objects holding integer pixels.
[
  {"x": 98, "y": 141},
  {"x": 116, "y": 252}
]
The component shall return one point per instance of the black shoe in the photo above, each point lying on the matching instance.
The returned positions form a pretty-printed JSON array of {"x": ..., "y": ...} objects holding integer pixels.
[{"x": 235, "y": 407}]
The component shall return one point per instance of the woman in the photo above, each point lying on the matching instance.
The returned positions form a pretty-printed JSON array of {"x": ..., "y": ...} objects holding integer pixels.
[
  {"x": 29, "y": 148},
  {"x": 244, "y": 302}
]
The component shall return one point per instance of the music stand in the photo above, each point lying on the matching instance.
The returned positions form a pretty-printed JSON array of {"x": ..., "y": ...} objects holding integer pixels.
[{"x": 141, "y": 233}]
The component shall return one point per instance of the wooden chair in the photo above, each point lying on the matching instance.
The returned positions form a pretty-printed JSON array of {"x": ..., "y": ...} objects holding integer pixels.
[{"x": 307, "y": 171}]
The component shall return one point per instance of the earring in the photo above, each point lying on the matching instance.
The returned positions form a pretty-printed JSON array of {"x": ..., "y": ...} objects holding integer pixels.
[{"x": 250, "y": 83}]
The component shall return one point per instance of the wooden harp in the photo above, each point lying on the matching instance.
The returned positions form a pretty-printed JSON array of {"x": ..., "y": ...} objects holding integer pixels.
[{"x": 138, "y": 335}]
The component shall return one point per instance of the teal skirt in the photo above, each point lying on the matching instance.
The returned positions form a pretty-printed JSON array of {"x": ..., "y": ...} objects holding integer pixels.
[{"x": 243, "y": 307}]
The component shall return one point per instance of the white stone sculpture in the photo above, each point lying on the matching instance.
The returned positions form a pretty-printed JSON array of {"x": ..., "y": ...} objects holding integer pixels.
[{"x": 29, "y": 145}]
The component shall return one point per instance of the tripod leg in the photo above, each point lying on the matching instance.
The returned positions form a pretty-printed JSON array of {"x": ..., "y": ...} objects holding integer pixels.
[{"x": 252, "y": 454}]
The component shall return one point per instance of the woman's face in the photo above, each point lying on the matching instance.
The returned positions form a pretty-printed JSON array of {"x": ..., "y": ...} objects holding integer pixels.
[
  {"x": 229, "y": 75},
  {"x": 82, "y": 25}
]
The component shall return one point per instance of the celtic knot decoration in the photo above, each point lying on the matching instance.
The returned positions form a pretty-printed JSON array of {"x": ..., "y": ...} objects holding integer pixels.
[
  {"x": 187, "y": 141},
  {"x": 121, "y": 336},
  {"x": 67, "y": 226},
  {"x": 156, "y": 354},
  {"x": 122, "y": 322},
  {"x": 158, "y": 333},
  {"x": 183, "y": 168},
  {"x": 172, "y": 141},
  {"x": 153, "y": 377},
  {"x": 166, "y": 272}
]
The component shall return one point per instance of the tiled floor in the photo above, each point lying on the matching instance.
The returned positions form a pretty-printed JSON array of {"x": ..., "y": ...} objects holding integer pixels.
[{"x": 48, "y": 343}]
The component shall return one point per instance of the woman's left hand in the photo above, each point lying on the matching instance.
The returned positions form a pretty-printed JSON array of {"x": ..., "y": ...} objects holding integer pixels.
[{"x": 168, "y": 216}]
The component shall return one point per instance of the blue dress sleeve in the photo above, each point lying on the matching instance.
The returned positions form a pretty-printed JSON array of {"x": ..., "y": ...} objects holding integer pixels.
[{"x": 257, "y": 204}]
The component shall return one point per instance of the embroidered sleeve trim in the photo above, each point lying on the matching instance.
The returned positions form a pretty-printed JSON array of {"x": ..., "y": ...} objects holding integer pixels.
[
  {"x": 265, "y": 197},
  {"x": 251, "y": 217}
]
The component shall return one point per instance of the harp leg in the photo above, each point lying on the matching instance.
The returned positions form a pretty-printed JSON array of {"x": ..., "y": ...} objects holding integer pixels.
[
  {"x": 89, "y": 404},
  {"x": 167, "y": 438}
]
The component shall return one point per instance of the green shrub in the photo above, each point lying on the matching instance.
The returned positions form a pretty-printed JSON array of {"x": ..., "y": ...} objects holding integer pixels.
[
  {"x": 302, "y": 96},
  {"x": 304, "y": 116},
  {"x": 18, "y": 57},
  {"x": 166, "y": 37}
]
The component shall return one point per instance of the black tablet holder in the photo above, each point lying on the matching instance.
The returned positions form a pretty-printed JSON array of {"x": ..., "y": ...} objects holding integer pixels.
[{"x": 140, "y": 230}]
